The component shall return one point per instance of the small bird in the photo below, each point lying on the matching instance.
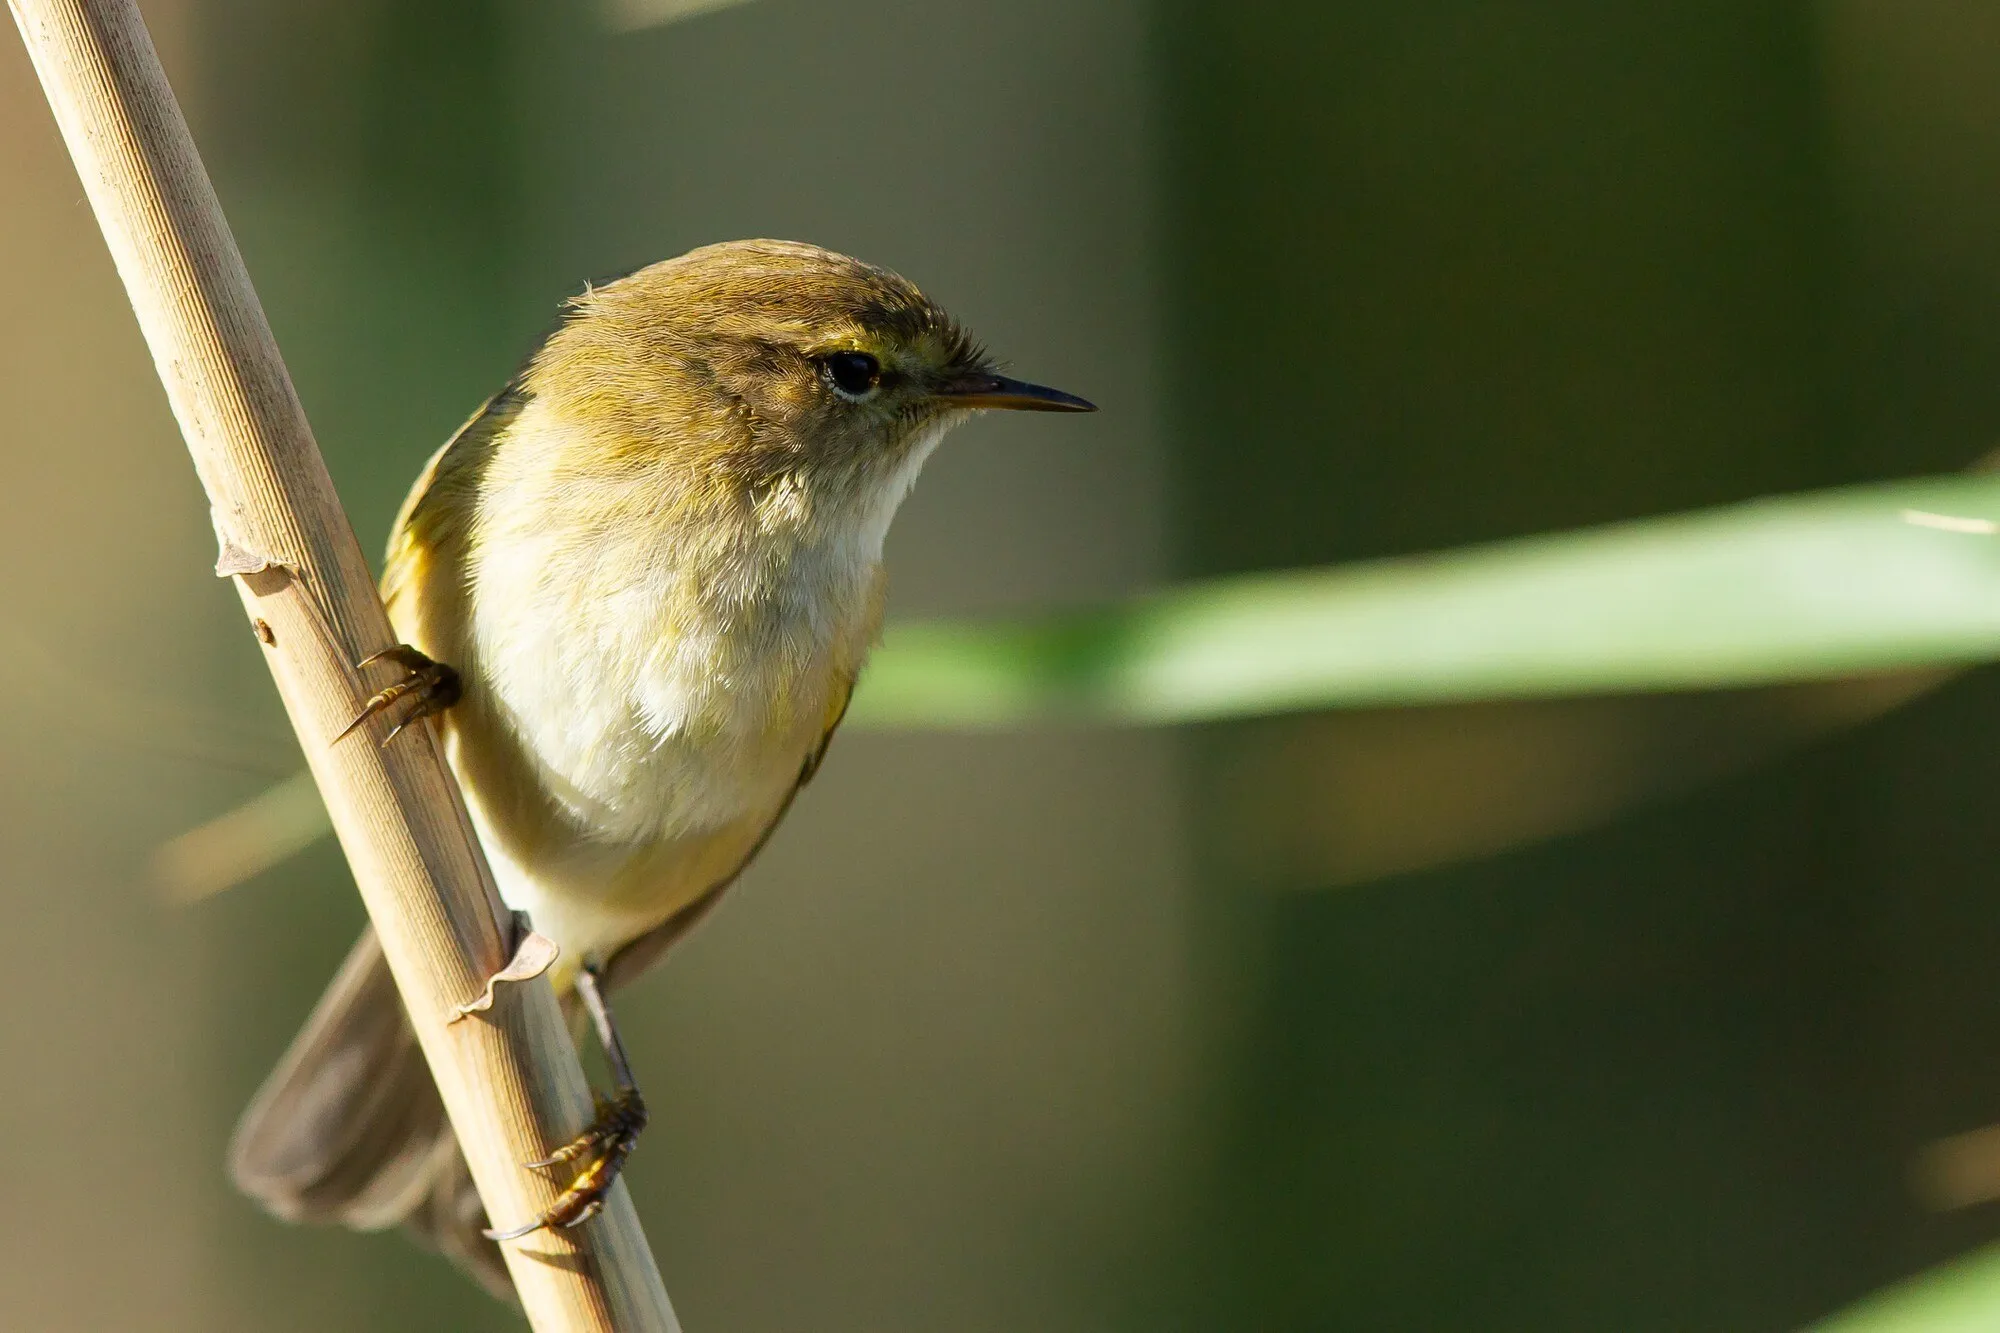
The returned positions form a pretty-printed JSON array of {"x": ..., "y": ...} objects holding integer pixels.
[{"x": 635, "y": 591}]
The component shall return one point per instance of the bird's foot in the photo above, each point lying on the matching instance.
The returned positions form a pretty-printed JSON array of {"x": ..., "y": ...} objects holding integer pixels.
[
  {"x": 606, "y": 1142},
  {"x": 609, "y": 1138},
  {"x": 424, "y": 689}
]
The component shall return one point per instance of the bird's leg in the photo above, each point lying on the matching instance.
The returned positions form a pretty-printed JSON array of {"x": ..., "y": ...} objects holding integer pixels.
[
  {"x": 425, "y": 688},
  {"x": 609, "y": 1138}
]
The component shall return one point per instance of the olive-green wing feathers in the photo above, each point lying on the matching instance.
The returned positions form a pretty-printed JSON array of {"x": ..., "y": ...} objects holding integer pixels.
[{"x": 436, "y": 515}]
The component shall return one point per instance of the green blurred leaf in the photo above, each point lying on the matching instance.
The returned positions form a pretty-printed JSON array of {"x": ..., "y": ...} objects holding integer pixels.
[
  {"x": 634, "y": 15},
  {"x": 1961, "y": 1297},
  {"x": 1824, "y": 584}
]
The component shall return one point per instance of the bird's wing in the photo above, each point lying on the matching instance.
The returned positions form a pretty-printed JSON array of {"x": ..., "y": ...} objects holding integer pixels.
[
  {"x": 437, "y": 510},
  {"x": 637, "y": 955}
]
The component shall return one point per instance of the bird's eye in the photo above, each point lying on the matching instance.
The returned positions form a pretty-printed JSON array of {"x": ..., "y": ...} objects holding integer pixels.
[{"x": 852, "y": 374}]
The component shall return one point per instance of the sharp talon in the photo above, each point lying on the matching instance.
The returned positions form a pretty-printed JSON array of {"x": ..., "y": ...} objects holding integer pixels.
[
  {"x": 596, "y": 1205},
  {"x": 355, "y": 725},
  {"x": 599, "y": 1132},
  {"x": 515, "y": 1233},
  {"x": 607, "y": 1141},
  {"x": 569, "y": 1152},
  {"x": 430, "y": 687}
]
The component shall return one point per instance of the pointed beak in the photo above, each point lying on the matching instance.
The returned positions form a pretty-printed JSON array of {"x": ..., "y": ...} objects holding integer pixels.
[{"x": 980, "y": 389}]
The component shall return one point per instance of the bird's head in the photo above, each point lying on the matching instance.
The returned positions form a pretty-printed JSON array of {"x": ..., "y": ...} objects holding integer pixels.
[{"x": 757, "y": 364}]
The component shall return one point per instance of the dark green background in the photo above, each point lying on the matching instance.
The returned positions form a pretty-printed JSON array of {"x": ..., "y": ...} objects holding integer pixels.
[{"x": 1449, "y": 272}]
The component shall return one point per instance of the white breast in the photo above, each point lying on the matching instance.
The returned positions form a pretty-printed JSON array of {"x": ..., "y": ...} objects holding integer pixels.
[{"x": 664, "y": 697}]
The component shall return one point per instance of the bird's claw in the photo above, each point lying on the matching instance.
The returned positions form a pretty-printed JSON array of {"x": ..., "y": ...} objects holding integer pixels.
[
  {"x": 425, "y": 687},
  {"x": 597, "y": 1134},
  {"x": 607, "y": 1141}
]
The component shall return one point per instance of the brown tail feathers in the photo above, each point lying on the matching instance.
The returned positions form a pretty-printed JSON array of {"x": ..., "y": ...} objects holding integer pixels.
[{"x": 349, "y": 1128}]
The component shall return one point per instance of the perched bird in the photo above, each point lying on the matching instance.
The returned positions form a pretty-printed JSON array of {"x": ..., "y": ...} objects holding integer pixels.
[{"x": 635, "y": 590}]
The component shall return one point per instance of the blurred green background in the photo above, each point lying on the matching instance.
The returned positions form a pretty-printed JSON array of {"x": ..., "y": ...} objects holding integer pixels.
[{"x": 1622, "y": 1013}]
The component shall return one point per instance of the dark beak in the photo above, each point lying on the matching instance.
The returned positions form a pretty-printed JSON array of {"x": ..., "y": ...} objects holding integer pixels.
[{"x": 980, "y": 389}]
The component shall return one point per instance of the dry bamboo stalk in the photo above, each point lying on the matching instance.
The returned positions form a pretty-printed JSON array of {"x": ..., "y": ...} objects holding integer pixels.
[{"x": 510, "y": 1078}]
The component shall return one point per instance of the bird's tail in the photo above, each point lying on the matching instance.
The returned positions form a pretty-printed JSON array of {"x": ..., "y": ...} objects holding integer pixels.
[{"x": 349, "y": 1128}]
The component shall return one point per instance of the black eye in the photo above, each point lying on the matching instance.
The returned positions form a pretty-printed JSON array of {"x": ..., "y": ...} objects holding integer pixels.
[{"x": 853, "y": 373}]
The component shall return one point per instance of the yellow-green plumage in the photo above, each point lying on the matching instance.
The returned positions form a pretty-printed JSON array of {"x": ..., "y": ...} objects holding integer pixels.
[{"x": 654, "y": 560}]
